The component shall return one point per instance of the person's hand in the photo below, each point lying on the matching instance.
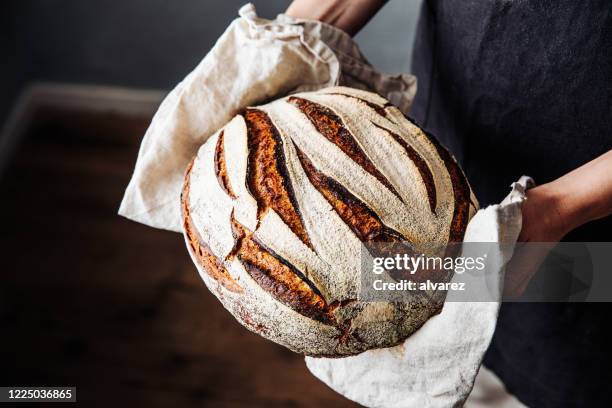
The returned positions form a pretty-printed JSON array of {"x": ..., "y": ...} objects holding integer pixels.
[
  {"x": 543, "y": 226},
  {"x": 554, "y": 209},
  {"x": 347, "y": 15}
]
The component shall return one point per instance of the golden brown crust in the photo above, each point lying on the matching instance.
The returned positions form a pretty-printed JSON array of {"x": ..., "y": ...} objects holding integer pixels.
[
  {"x": 366, "y": 225},
  {"x": 221, "y": 168},
  {"x": 378, "y": 109},
  {"x": 267, "y": 173},
  {"x": 461, "y": 191},
  {"x": 209, "y": 262},
  {"x": 421, "y": 165},
  {"x": 331, "y": 126},
  {"x": 271, "y": 272},
  {"x": 277, "y": 277}
]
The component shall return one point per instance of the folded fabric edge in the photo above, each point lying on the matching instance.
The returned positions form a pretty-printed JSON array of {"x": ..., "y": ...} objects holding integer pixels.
[{"x": 155, "y": 217}]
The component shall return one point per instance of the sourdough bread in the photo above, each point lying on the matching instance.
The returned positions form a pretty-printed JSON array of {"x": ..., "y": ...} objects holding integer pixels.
[{"x": 277, "y": 203}]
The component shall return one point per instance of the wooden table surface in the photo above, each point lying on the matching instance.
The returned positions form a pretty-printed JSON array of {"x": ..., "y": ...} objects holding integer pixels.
[{"x": 115, "y": 308}]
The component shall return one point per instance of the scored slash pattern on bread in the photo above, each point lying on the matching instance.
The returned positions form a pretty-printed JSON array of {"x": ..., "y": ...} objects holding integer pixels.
[{"x": 276, "y": 206}]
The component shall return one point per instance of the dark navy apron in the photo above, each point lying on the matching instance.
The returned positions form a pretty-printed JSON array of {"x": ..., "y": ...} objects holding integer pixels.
[{"x": 525, "y": 87}]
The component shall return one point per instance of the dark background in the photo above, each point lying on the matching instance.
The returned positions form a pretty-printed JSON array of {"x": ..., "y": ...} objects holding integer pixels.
[
  {"x": 149, "y": 43},
  {"x": 90, "y": 299}
]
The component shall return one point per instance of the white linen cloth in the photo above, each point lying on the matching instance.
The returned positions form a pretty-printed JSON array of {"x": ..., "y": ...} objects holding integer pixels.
[{"x": 257, "y": 60}]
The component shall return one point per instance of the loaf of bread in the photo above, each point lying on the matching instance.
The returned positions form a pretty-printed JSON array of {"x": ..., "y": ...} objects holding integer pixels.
[{"x": 277, "y": 203}]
